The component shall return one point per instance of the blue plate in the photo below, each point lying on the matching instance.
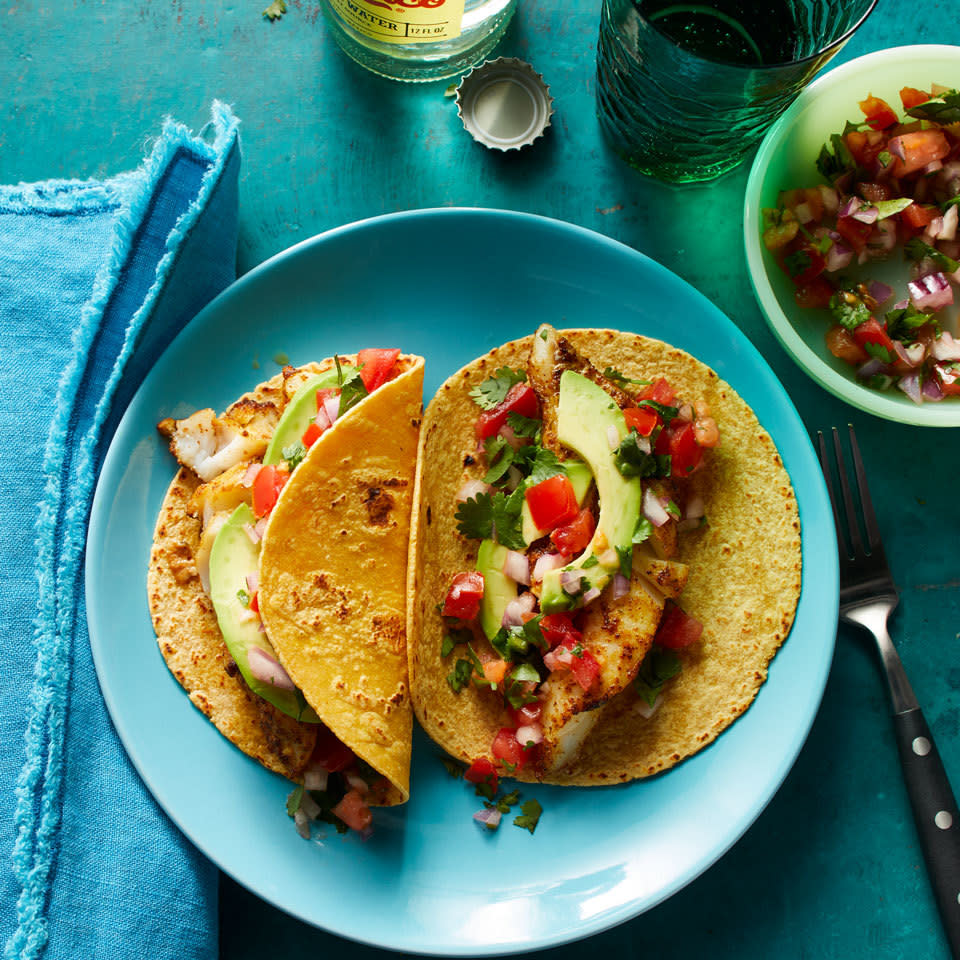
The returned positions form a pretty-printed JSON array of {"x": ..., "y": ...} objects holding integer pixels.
[{"x": 449, "y": 284}]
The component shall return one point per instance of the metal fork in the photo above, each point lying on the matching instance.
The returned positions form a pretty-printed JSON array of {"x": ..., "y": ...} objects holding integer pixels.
[{"x": 867, "y": 598}]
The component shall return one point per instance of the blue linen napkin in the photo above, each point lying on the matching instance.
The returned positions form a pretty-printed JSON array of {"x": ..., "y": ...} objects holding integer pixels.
[{"x": 96, "y": 277}]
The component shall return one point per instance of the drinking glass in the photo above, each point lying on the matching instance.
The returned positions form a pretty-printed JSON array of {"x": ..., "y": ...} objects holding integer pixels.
[{"x": 684, "y": 91}]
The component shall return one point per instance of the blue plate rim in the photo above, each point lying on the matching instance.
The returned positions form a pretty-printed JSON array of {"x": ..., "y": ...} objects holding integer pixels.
[{"x": 814, "y": 500}]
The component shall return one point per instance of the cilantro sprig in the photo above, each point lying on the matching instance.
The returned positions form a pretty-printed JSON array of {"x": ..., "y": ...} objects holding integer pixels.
[
  {"x": 494, "y": 389},
  {"x": 493, "y": 517},
  {"x": 352, "y": 387},
  {"x": 916, "y": 249},
  {"x": 633, "y": 461},
  {"x": 611, "y": 373},
  {"x": 944, "y": 108},
  {"x": 659, "y": 666}
]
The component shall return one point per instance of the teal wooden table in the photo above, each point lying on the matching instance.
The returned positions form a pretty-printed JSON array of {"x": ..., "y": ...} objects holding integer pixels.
[{"x": 832, "y": 868}]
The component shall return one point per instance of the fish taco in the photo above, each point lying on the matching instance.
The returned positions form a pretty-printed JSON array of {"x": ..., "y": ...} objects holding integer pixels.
[
  {"x": 604, "y": 559},
  {"x": 281, "y": 540}
]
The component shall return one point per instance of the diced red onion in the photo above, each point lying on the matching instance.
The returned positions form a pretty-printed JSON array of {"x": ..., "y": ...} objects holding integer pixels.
[
  {"x": 895, "y": 146},
  {"x": 910, "y": 385},
  {"x": 302, "y": 824},
  {"x": 933, "y": 228},
  {"x": 831, "y": 202},
  {"x": 948, "y": 229},
  {"x": 267, "y": 669},
  {"x": 490, "y": 818},
  {"x": 517, "y": 567},
  {"x": 930, "y": 292},
  {"x": 470, "y": 489},
  {"x": 609, "y": 557},
  {"x": 529, "y": 733},
  {"x": 315, "y": 779},
  {"x": 613, "y": 437},
  {"x": 251, "y": 532},
  {"x": 850, "y": 207},
  {"x": 251, "y": 474},
  {"x": 911, "y": 356},
  {"x": 695, "y": 508},
  {"x": 688, "y": 523},
  {"x": 514, "y": 611},
  {"x": 253, "y": 581},
  {"x": 931, "y": 390},
  {"x": 621, "y": 586},
  {"x": 880, "y": 292},
  {"x": 508, "y": 434},
  {"x": 514, "y": 478},
  {"x": 309, "y": 806},
  {"x": 685, "y": 413},
  {"x": 870, "y": 368},
  {"x": 901, "y": 305},
  {"x": 546, "y": 562},
  {"x": 883, "y": 239},
  {"x": 643, "y": 444},
  {"x": 945, "y": 347},
  {"x": 357, "y": 782},
  {"x": 331, "y": 407},
  {"x": 322, "y": 420},
  {"x": 591, "y": 595},
  {"x": 653, "y": 509},
  {"x": 572, "y": 580},
  {"x": 866, "y": 214},
  {"x": 260, "y": 527},
  {"x": 645, "y": 709},
  {"x": 838, "y": 257},
  {"x": 933, "y": 166},
  {"x": 803, "y": 212}
]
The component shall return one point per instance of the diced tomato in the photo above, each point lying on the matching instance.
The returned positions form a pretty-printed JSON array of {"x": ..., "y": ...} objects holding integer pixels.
[
  {"x": 521, "y": 398},
  {"x": 266, "y": 488},
  {"x": 330, "y": 753},
  {"x": 912, "y": 97},
  {"x": 552, "y": 502},
  {"x": 557, "y": 627},
  {"x": 872, "y": 331},
  {"x": 677, "y": 629},
  {"x": 641, "y": 419},
  {"x": 376, "y": 365},
  {"x": 854, "y": 232},
  {"x": 685, "y": 453},
  {"x": 878, "y": 113},
  {"x": 841, "y": 344},
  {"x": 815, "y": 265},
  {"x": 864, "y": 147},
  {"x": 506, "y": 747},
  {"x": 585, "y": 668},
  {"x": 464, "y": 596},
  {"x": 574, "y": 536},
  {"x": 947, "y": 374},
  {"x": 526, "y": 715},
  {"x": 873, "y": 192},
  {"x": 919, "y": 216},
  {"x": 324, "y": 394},
  {"x": 918, "y": 149},
  {"x": 353, "y": 811},
  {"x": 254, "y": 603},
  {"x": 311, "y": 435},
  {"x": 659, "y": 391},
  {"x": 816, "y": 294},
  {"x": 495, "y": 670},
  {"x": 483, "y": 771}
]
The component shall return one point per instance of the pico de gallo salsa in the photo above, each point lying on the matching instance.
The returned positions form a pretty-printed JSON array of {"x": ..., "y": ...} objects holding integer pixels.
[
  {"x": 891, "y": 181},
  {"x": 534, "y": 515}
]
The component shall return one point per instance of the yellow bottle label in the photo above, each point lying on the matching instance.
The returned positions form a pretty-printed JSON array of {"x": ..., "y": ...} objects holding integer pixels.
[{"x": 402, "y": 21}]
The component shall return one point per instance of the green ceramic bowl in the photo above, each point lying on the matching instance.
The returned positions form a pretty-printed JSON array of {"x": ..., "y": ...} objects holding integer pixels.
[{"x": 786, "y": 159}]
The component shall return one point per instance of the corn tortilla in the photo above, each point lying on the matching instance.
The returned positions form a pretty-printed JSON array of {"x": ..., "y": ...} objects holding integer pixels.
[
  {"x": 745, "y": 571},
  {"x": 333, "y": 574}
]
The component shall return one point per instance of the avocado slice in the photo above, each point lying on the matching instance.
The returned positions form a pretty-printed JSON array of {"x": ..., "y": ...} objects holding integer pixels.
[
  {"x": 498, "y": 588},
  {"x": 232, "y": 558},
  {"x": 580, "y": 478},
  {"x": 585, "y": 414},
  {"x": 301, "y": 410}
]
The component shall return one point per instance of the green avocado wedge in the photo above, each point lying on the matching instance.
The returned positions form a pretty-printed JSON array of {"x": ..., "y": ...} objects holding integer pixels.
[
  {"x": 585, "y": 416},
  {"x": 233, "y": 557},
  {"x": 498, "y": 588},
  {"x": 301, "y": 410}
]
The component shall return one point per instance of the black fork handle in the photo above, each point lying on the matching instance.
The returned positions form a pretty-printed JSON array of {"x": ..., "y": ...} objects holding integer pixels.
[{"x": 936, "y": 814}]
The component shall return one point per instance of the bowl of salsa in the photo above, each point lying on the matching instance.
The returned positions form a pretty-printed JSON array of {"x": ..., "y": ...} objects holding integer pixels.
[{"x": 852, "y": 237}]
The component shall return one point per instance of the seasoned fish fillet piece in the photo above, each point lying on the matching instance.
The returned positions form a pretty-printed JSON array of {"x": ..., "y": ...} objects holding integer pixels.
[
  {"x": 619, "y": 634},
  {"x": 226, "y": 491}
]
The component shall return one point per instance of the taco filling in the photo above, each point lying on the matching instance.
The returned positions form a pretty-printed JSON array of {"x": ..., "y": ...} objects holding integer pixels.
[
  {"x": 577, "y": 517},
  {"x": 206, "y": 588}
]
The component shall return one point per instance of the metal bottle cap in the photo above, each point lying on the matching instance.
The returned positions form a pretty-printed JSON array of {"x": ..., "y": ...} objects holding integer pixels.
[{"x": 504, "y": 104}]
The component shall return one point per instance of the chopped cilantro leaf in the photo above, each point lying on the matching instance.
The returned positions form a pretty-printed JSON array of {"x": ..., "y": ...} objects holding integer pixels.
[
  {"x": 294, "y": 455},
  {"x": 797, "y": 262},
  {"x": 515, "y": 695},
  {"x": 611, "y": 373},
  {"x": 294, "y": 799},
  {"x": 499, "y": 456},
  {"x": 944, "y": 108},
  {"x": 673, "y": 510},
  {"x": 513, "y": 643},
  {"x": 527, "y": 427},
  {"x": 243, "y": 597},
  {"x": 493, "y": 517},
  {"x": 903, "y": 324},
  {"x": 952, "y": 202},
  {"x": 530, "y": 817},
  {"x": 493, "y": 390},
  {"x": 667, "y": 413},
  {"x": 849, "y": 314},
  {"x": 642, "y": 530},
  {"x": 879, "y": 351},
  {"x": 452, "y": 767},
  {"x": 626, "y": 560},
  {"x": 659, "y": 665},
  {"x": 832, "y": 164},
  {"x": 352, "y": 391},
  {"x": 508, "y": 800},
  {"x": 545, "y": 465},
  {"x": 884, "y": 158},
  {"x": 591, "y": 561},
  {"x": 632, "y": 461},
  {"x": 460, "y": 676},
  {"x": 916, "y": 249},
  {"x": 447, "y": 645}
]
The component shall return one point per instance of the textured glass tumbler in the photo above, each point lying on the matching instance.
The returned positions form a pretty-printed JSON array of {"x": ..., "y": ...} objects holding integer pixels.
[{"x": 684, "y": 91}]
